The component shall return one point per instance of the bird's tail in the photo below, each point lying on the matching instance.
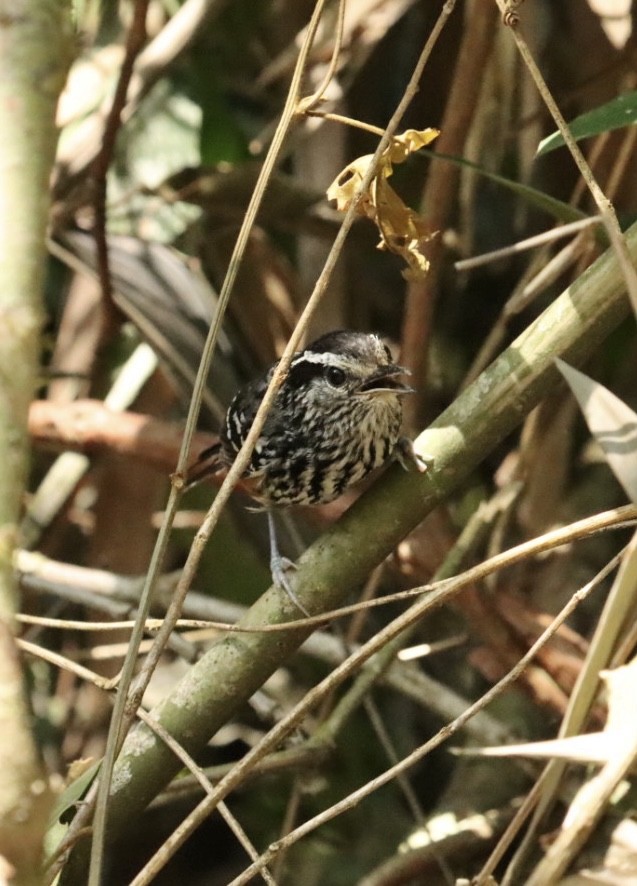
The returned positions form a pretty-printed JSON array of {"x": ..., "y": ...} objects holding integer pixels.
[{"x": 209, "y": 462}]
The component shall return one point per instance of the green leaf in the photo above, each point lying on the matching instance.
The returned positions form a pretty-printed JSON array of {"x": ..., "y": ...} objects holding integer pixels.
[
  {"x": 73, "y": 792},
  {"x": 611, "y": 422},
  {"x": 556, "y": 208},
  {"x": 221, "y": 137},
  {"x": 621, "y": 111}
]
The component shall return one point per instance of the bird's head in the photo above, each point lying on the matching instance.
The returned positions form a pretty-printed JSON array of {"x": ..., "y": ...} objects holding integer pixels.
[{"x": 344, "y": 365}]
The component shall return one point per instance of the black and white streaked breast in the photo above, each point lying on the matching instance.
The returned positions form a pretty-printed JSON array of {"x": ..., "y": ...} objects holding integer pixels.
[{"x": 336, "y": 417}]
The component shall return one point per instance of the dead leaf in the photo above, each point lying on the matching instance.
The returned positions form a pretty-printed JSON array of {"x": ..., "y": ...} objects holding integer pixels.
[
  {"x": 402, "y": 230},
  {"x": 610, "y": 421},
  {"x": 593, "y": 747}
]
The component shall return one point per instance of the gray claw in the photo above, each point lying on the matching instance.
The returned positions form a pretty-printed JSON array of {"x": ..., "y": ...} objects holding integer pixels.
[{"x": 279, "y": 567}]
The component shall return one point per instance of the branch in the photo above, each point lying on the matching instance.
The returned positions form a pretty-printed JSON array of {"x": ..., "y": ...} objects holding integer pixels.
[
  {"x": 440, "y": 192},
  {"x": 134, "y": 42},
  {"x": 90, "y": 426},
  {"x": 235, "y": 667},
  {"x": 35, "y": 49}
]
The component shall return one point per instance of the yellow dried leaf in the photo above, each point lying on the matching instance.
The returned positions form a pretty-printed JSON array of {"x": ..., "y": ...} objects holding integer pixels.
[
  {"x": 401, "y": 229},
  {"x": 408, "y": 142},
  {"x": 345, "y": 186}
]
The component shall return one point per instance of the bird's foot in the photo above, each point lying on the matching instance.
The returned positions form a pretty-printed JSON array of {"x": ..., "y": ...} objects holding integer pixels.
[
  {"x": 409, "y": 458},
  {"x": 281, "y": 567}
]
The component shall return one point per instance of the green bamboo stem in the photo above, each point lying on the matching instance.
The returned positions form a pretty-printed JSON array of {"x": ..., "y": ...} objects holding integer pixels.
[{"x": 337, "y": 563}]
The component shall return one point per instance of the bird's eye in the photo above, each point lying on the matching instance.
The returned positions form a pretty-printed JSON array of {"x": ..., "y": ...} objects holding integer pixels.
[
  {"x": 335, "y": 376},
  {"x": 388, "y": 353}
]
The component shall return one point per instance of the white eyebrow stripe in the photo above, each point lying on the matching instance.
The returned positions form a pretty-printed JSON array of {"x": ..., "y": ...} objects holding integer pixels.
[{"x": 325, "y": 359}]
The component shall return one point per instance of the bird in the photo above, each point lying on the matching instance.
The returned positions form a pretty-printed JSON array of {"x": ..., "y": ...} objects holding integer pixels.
[{"x": 336, "y": 417}]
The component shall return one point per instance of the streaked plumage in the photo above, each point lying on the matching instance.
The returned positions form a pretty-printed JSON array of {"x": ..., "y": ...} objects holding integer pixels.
[{"x": 335, "y": 419}]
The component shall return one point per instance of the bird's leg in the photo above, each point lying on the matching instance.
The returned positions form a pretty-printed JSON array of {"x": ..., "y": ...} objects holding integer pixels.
[
  {"x": 279, "y": 566},
  {"x": 409, "y": 458}
]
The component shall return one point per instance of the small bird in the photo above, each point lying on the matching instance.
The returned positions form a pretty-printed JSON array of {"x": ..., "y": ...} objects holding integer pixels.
[{"x": 336, "y": 418}]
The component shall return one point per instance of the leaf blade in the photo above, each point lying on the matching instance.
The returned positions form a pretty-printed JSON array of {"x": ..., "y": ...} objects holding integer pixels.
[
  {"x": 610, "y": 421},
  {"x": 615, "y": 114}
]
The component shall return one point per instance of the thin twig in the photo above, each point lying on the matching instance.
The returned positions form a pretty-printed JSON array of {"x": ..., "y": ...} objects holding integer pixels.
[
  {"x": 604, "y": 205},
  {"x": 617, "y": 608},
  {"x": 68, "y": 469},
  {"x": 446, "y": 732},
  {"x": 311, "y": 101},
  {"x": 346, "y": 121},
  {"x": 542, "y": 239},
  {"x": 484, "y": 878},
  {"x": 124, "y": 710},
  {"x": 80, "y": 151},
  {"x": 203, "y": 780},
  {"x": 441, "y": 188},
  {"x": 620, "y": 518},
  {"x": 620, "y": 162},
  {"x": 134, "y": 41},
  {"x": 315, "y": 695},
  {"x": 67, "y": 664},
  {"x": 530, "y": 286},
  {"x": 243, "y": 456}
]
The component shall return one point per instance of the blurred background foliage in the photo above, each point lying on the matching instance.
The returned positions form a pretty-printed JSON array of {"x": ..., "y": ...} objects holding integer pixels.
[{"x": 193, "y": 132}]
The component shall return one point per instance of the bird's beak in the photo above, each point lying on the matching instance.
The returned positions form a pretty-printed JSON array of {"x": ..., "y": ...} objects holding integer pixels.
[{"x": 385, "y": 380}]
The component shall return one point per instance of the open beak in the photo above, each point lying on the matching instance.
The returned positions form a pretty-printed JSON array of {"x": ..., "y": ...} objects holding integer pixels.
[{"x": 386, "y": 380}]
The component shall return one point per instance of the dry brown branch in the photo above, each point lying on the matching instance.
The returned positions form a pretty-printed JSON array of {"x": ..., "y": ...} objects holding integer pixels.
[
  {"x": 89, "y": 426},
  {"x": 134, "y": 42},
  {"x": 80, "y": 152},
  {"x": 440, "y": 191}
]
